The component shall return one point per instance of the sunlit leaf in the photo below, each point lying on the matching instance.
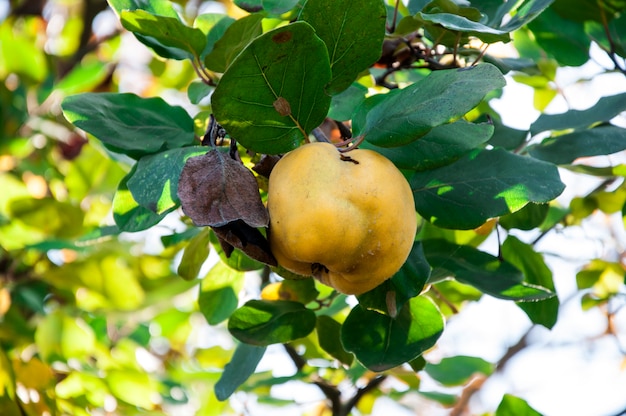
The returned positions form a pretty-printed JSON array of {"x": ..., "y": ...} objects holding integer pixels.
[
  {"x": 154, "y": 185},
  {"x": 20, "y": 55},
  {"x": 61, "y": 337},
  {"x": 482, "y": 185},
  {"x": 514, "y": 406},
  {"x": 48, "y": 215},
  {"x": 440, "y": 98},
  {"x": 157, "y": 7},
  {"x": 170, "y": 37},
  {"x": 194, "y": 256},
  {"x": 133, "y": 387},
  {"x": 297, "y": 290},
  {"x": 455, "y": 371},
  {"x": 129, "y": 216}
]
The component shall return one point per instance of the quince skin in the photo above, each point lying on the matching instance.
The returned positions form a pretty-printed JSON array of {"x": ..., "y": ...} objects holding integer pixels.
[{"x": 348, "y": 220}]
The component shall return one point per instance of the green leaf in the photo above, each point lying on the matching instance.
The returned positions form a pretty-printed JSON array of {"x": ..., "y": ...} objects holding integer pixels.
[
  {"x": 195, "y": 254},
  {"x": 527, "y": 218},
  {"x": 219, "y": 293},
  {"x": 251, "y": 6},
  {"x": 168, "y": 36},
  {"x": 566, "y": 148},
  {"x": 329, "y": 338},
  {"x": 353, "y": 33},
  {"x": 48, "y": 216},
  {"x": 61, "y": 337},
  {"x": 481, "y": 185},
  {"x": 20, "y": 55},
  {"x": 562, "y": 39},
  {"x": 585, "y": 10},
  {"x": 525, "y": 13},
  {"x": 214, "y": 26},
  {"x": 521, "y": 255},
  {"x": 234, "y": 39},
  {"x": 514, "y": 406},
  {"x": 297, "y": 290},
  {"x": 237, "y": 259},
  {"x": 506, "y": 137},
  {"x": 615, "y": 39},
  {"x": 381, "y": 342},
  {"x": 456, "y": 371},
  {"x": 440, "y": 98},
  {"x": 445, "y": 399},
  {"x": 441, "y": 146},
  {"x": 198, "y": 91},
  {"x": 272, "y": 95},
  {"x": 128, "y": 215},
  {"x": 485, "y": 272},
  {"x": 133, "y": 387},
  {"x": 603, "y": 111},
  {"x": 271, "y": 322},
  {"x": 154, "y": 185},
  {"x": 236, "y": 372},
  {"x": 84, "y": 77},
  {"x": 129, "y": 124},
  {"x": 457, "y": 23},
  {"x": 408, "y": 282},
  {"x": 342, "y": 105},
  {"x": 8, "y": 404},
  {"x": 278, "y": 7},
  {"x": 158, "y": 7}
]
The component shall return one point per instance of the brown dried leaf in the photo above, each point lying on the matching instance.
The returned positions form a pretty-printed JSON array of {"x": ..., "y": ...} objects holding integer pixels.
[
  {"x": 215, "y": 190},
  {"x": 265, "y": 165},
  {"x": 250, "y": 240}
]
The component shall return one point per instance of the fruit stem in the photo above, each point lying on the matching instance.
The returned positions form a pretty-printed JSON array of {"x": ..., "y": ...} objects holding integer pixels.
[{"x": 351, "y": 143}]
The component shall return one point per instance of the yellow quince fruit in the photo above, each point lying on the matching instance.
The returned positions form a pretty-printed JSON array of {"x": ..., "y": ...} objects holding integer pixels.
[{"x": 347, "y": 219}]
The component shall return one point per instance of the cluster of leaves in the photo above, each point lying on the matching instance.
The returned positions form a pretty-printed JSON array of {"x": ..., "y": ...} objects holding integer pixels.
[{"x": 412, "y": 82}]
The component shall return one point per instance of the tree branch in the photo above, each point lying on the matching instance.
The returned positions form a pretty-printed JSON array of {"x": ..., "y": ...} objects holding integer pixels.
[{"x": 476, "y": 384}]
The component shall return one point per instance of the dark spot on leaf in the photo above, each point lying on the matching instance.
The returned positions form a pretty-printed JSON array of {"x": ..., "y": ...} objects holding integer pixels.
[
  {"x": 282, "y": 106},
  {"x": 282, "y": 37}
]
